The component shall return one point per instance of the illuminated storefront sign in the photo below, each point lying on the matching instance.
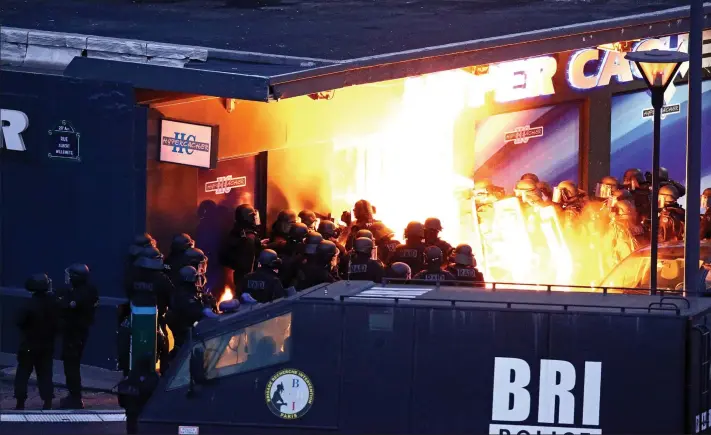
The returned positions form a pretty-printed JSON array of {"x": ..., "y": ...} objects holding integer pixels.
[{"x": 613, "y": 63}]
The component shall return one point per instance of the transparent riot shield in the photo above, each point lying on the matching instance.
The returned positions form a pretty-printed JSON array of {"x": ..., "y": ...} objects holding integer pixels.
[{"x": 560, "y": 260}]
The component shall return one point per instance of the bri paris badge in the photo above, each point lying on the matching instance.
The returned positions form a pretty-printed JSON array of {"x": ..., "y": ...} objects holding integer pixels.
[{"x": 289, "y": 394}]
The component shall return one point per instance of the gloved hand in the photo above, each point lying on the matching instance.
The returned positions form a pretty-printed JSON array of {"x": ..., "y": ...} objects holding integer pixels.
[{"x": 248, "y": 299}]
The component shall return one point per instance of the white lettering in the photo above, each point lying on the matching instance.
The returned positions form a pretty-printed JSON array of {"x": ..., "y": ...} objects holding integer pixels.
[
  {"x": 13, "y": 124},
  {"x": 506, "y": 388},
  {"x": 591, "y": 393},
  {"x": 550, "y": 388},
  {"x": 576, "y": 69}
]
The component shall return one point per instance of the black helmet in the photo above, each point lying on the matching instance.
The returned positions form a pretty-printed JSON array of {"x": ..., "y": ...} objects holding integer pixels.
[
  {"x": 363, "y": 211},
  {"x": 188, "y": 274},
  {"x": 433, "y": 255},
  {"x": 414, "y": 230},
  {"x": 141, "y": 241},
  {"x": 327, "y": 249},
  {"x": 298, "y": 232},
  {"x": 706, "y": 192},
  {"x": 433, "y": 224},
  {"x": 284, "y": 221},
  {"x": 380, "y": 231},
  {"x": 196, "y": 258},
  {"x": 363, "y": 245},
  {"x": 633, "y": 179},
  {"x": 463, "y": 254},
  {"x": 566, "y": 191},
  {"x": 182, "y": 242},
  {"x": 327, "y": 229},
  {"x": 667, "y": 194},
  {"x": 313, "y": 239},
  {"x": 530, "y": 176},
  {"x": 663, "y": 174},
  {"x": 150, "y": 258},
  {"x": 365, "y": 233},
  {"x": 307, "y": 217},
  {"x": 38, "y": 282},
  {"x": 269, "y": 258},
  {"x": 246, "y": 214},
  {"x": 399, "y": 270},
  {"x": 77, "y": 272},
  {"x": 606, "y": 187}
]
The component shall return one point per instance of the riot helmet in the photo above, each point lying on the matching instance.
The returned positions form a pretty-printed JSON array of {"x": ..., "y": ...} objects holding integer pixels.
[
  {"x": 76, "y": 273},
  {"x": 663, "y": 174},
  {"x": 313, "y": 239},
  {"x": 363, "y": 245},
  {"x": 38, "y": 283},
  {"x": 363, "y": 211},
  {"x": 606, "y": 187},
  {"x": 619, "y": 195},
  {"x": 247, "y": 215},
  {"x": 433, "y": 256},
  {"x": 565, "y": 192},
  {"x": 150, "y": 258},
  {"x": 530, "y": 176},
  {"x": 633, "y": 179},
  {"x": 433, "y": 224},
  {"x": 365, "y": 233},
  {"x": 297, "y": 232},
  {"x": 196, "y": 258},
  {"x": 414, "y": 231},
  {"x": 141, "y": 241},
  {"x": 546, "y": 190},
  {"x": 327, "y": 229},
  {"x": 667, "y": 195},
  {"x": 380, "y": 231},
  {"x": 308, "y": 218},
  {"x": 705, "y": 195},
  {"x": 625, "y": 211},
  {"x": 206, "y": 209},
  {"x": 284, "y": 221},
  {"x": 464, "y": 255},
  {"x": 181, "y": 243},
  {"x": 399, "y": 271},
  {"x": 327, "y": 251},
  {"x": 269, "y": 258},
  {"x": 189, "y": 274},
  {"x": 523, "y": 186}
]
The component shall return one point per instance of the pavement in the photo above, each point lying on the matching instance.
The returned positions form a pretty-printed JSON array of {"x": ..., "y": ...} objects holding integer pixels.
[{"x": 97, "y": 384}]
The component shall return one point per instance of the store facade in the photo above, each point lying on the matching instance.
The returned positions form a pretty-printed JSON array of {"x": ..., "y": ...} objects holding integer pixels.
[{"x": 106, "y": 159}]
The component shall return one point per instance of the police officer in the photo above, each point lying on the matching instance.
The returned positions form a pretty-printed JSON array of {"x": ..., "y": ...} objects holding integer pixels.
[
  {"x": 527, "y": 191},
  {"x": 399, "y": 272},
  {"x": 433, "y": 227},
  {"x": 186, "y": 306},
  {"x": 140, "y": 242},
  {"x": 605, "y": 188},
  {"x": 486, "y": 193},
  {"x": 181, "y": 243},
  {"x": 412, "y": 250},
  {"x": 433, "y": 267},
  {"x": 197, "y": 259},
  {"x": 362, "y": 266},
  {"x": 242, "y": 245},
  {"x": 365, "y": 233},
  {"x": 293, "y": 254},
  {"x": 664, "y": 180},
  {"x": 546, "y": 192},
  {"x": 308, "y": 218},
  {"x": 329, "y": 232},
  {"x": 463, "y": 265},
  {"x": 135, "y": 390},
  {"x": 363, "y": 212},
  {"x": 264, "y": 285},
  {"x": 641, "y": 191},
  {"x": 149, "y": 285},
  {"x": 38, "y": 321},
  {"x": 706, "y": 216},
  {"x": 280, "y": 230},
  {"x": 311, "y": 242},
  {"x": 567, "y": 195},
  {"x": 626, "y": 233},
  {"x": 671, "y": 215},
  {"x": 77, "y": 302},
  {"x": 530, "y": 176},
  {"x": 384, "y": 241},
  {"x": 319, "y": 269}
]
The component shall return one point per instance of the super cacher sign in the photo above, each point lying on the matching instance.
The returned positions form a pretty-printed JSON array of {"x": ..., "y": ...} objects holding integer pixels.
[
  {"x": 13, "y": 123},
  {"x": 511, "y": 411}
]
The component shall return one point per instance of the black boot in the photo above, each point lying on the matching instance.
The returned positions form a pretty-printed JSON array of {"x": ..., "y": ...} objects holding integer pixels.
[
  {"x": 20, "y": 405},
  {"x": 71, "y": 402},
  {"x": 47, "y": 404}
]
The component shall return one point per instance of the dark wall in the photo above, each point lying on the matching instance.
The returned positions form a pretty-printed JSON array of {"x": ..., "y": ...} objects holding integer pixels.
[{"x": 55, "y": 211}]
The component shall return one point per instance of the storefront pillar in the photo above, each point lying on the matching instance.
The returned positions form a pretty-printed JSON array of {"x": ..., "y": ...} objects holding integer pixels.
[{"x": 595, "y": 141}]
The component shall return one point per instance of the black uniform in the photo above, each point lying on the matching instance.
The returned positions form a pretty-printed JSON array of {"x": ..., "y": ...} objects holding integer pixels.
[
  {"x": 465, "y": 273},
  {"x": 386, "y": 249},
  {"x": 186, "y": 308},
  {"x": 134, "y": 392},
  {"x": 671, "y": 223},
  {"x": 410, "y": 253},
  {"x": 364, "y": 268},
  {"x": 444, "y": 246},
  {"x": 38, "y": 322},
  {"x": 240, "y": 251},
  {"x": 312, "y": 272},
  {"x": 78, "y": 304},
  {"x": 263, "y": 285},
  {"x": 437, "y": 275},
  {"x": 642, "y": 199}
]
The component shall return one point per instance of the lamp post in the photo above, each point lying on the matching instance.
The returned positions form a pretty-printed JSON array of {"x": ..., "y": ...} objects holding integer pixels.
[{"x": 658, "y": 68}]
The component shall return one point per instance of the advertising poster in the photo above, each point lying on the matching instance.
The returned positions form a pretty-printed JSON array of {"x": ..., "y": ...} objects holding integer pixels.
[
  {"x": 544, "y": 141},
  {"x": 632, "y": 134},
  {"x": 220, "y": 191},
  {"x": 186, "y": 144}
]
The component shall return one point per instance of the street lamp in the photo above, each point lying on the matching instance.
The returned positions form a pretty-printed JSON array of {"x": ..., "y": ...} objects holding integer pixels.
[{"x": 658, "y": 68}]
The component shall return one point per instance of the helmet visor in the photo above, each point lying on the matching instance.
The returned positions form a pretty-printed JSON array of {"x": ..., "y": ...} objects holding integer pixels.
[
  {"x": 557, "y": 195},
  {"x": 704, "y": 201},
  {"x": 603, "y": 190}
]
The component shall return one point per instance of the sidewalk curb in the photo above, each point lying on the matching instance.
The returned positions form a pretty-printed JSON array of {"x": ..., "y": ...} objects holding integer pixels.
[{"x": 33, "y": 381}]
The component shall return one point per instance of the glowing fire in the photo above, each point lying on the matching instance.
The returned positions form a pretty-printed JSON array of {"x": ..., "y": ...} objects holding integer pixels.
[
  {"x": 226, "y": 296},
  {"x": 407, "y": 168}
]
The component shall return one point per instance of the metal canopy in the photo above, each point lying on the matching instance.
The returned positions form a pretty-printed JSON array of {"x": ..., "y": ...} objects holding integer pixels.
[{"x": 264, "y": 82}]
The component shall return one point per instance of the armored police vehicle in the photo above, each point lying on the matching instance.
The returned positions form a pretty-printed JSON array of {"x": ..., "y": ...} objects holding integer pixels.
[{"x": 365, "y": 358}]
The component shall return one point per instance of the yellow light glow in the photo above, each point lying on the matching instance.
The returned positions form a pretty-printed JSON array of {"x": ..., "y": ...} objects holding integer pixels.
[{"x": 226, "y": 296}]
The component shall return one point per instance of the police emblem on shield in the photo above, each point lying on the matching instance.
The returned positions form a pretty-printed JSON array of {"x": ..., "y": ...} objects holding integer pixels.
[{"x": 289, "y": 394}]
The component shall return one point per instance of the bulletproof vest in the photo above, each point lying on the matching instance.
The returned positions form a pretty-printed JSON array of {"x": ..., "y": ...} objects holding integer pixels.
[
  {"x": 463, "y": 273},
  {"x": 410, "y": 255},
  {"x": 432, "y": 276},
  {"x": 671, "y": 224},
  {"x": 359, "y": 268}
]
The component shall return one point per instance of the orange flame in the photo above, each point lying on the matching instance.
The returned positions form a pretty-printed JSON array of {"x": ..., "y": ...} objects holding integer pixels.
[{"x": 226, "y": 296}]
